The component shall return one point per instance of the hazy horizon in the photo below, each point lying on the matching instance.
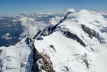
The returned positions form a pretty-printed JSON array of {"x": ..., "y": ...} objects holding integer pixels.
[{"x": 10, "y": 7}]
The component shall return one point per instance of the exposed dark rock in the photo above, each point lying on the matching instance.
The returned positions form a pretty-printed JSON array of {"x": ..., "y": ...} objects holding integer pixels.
[
  {"x": 92, "y": 33},
  {"x": 52, "y": 28},
  {"x": 89, "y": 31},
  {"x": 48, "y": 30},
  {"x": 51, "y": 46},
  {"x": 74, "y": 37},
  {"x": 46, "y": 63},
  {"x": 85, "y": 61},
  {"x": 66, "y": 69},
  {"x": 37, "y": 35},
  {"x": 34, "y": 55}
]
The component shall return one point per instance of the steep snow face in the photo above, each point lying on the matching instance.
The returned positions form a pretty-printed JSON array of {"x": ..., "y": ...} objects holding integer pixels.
[
  {"x": 65, "y": 54},
  {"x": 73, "y": 46}
]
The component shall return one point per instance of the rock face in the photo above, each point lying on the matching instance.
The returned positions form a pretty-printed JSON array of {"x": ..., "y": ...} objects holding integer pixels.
[{"x": 71, "y": 44}]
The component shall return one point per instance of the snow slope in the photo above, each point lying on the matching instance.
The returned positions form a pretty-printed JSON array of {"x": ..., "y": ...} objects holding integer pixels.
[{"x": 16, "y": 58}]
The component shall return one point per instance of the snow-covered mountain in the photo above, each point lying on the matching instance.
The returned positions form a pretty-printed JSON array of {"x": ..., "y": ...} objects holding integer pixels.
[
  {"x": 72, "y": 46},
  {"x": 70, "y": 43}
]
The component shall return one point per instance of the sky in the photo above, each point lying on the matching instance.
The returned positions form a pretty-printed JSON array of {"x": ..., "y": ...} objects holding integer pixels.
[{"x": 28, "y": 6}]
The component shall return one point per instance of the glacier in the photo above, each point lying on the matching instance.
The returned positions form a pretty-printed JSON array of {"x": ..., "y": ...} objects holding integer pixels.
[{"x": 73, "y": 42}]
